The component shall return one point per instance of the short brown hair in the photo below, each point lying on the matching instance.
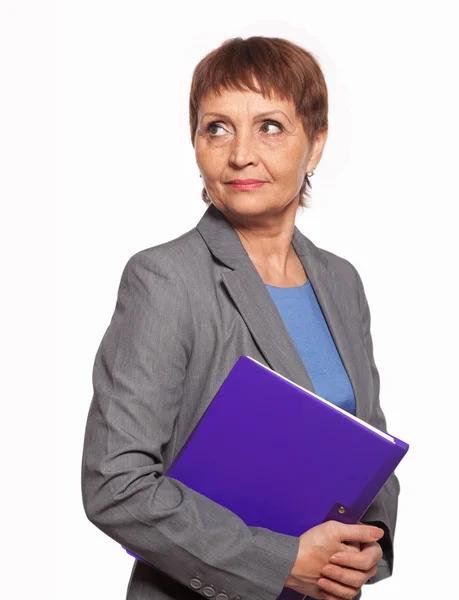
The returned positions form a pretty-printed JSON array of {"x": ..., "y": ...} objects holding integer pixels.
[{"x": 278, "y": 66}]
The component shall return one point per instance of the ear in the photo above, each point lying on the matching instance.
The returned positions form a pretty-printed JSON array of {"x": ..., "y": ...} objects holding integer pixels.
[{"x": 317, "y": 149}]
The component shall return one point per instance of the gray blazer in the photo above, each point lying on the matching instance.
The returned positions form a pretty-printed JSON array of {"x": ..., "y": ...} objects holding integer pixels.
[{"x": 186, "y": 310}]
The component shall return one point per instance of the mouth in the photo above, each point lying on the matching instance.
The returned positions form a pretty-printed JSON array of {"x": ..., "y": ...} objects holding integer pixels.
[{"x": 246, "y": 184}]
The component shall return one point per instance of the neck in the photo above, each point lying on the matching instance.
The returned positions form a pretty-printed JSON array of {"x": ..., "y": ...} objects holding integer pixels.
[{"x": 267, "y": 239}]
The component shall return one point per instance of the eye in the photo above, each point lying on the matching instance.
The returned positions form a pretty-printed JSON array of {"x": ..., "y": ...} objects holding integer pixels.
[
  {"x": 212, "y": 125},
  {"x": 217, "y": 125},
  {"x": 275, "y": 123}
]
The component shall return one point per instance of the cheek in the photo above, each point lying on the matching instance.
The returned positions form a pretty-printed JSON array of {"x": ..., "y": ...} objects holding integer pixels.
[
  {"x": 287, "y": 168},
  {"x": 213, "y": 164},
  {"x": 285, "y": 157}
]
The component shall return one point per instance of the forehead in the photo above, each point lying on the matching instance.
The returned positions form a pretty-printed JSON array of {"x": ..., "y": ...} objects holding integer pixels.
[{"x": 232, "y": 102}]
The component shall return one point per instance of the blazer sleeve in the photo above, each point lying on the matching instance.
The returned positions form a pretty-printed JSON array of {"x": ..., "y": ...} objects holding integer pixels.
[
  {"x": 383, "y": 511},
  {"x": 138, "y": 379}
]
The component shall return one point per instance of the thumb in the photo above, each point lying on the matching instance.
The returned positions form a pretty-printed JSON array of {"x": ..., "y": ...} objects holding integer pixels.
[{"x": 359, "y": 533}]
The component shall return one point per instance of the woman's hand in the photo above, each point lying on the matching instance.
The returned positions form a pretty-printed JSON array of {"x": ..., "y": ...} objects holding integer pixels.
[
  {"x": 316, "y": 575},
  {"x": 353, "y": 569}
]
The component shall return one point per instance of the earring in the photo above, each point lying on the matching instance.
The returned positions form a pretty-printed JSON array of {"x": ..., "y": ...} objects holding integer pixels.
[
  {"x": 311, "y": 173},
  {"x": 206, "y": 195}
]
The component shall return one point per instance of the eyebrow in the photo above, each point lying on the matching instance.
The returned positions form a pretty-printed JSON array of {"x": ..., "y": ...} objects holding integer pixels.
[{"x": 259, "y": 116}]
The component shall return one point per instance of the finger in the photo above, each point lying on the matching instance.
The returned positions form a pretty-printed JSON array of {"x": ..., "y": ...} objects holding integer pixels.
[
  {"x": 346, "y": 576},
  {"x": 364, "y": 560},
  {"x": 365, "y": 545},
  {"x": 338, "y": 589},
  {"x": 357, "y": 533},
  {"x": 373, "y": 550},
  {"x": 356, "y": 545},
  {"x": 348, "y": 547}
]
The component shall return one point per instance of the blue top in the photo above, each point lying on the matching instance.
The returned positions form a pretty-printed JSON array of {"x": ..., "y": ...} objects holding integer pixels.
[{"x": 305, "y": 322}]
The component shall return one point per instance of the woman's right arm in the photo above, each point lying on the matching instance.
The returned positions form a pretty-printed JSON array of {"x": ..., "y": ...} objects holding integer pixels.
[{"x": 138, "y": 378}]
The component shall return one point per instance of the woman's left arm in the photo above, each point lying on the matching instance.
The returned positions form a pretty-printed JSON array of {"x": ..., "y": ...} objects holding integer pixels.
[{"x": 383, "y": 511}]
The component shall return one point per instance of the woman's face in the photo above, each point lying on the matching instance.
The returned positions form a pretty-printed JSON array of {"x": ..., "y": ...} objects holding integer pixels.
[{"x": 239, "y": 142}]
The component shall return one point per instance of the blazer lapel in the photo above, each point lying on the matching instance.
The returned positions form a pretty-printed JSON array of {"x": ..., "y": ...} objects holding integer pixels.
[
  {"x": 257, "y": 308},
  {"x": 255, "y": 304}
]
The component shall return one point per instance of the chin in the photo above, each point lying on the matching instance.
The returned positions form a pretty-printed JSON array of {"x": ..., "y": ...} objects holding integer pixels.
[
  {"x": 246, "y": 208},
  {"x": 247, "y": 201}
]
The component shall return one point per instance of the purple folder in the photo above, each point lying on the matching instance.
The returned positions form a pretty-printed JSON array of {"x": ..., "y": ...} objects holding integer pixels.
[{"x": 283, "y": 458}]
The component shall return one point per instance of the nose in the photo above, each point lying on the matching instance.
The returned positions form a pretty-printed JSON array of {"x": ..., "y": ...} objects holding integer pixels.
[{"x": 243, "y": 149}]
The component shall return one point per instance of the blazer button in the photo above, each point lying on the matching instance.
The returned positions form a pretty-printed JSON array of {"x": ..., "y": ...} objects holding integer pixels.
[
  {"x": 208, "y": 591},
  {"x": 221, "y": 596},
  {"x": 195, "y": 583}
]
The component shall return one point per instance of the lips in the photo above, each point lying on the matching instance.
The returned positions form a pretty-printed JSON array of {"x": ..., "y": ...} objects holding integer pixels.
[
  {"x": 247, "y": 186},
  {"x": 245, "y": 181}
]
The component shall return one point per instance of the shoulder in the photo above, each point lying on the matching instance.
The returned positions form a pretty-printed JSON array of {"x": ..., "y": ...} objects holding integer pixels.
[
  {"x": 175, "y": 257},
  {"x": 338, "y": 266}
]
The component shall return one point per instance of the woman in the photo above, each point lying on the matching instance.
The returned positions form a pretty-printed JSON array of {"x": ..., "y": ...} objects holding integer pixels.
[{"x": 244, "y": 281}]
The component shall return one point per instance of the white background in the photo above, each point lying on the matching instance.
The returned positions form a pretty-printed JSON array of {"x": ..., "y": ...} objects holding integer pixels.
[{"x": 94, "y": 115}]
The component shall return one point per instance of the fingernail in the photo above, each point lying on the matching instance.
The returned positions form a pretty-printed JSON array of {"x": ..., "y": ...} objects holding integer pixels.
[
  {"x": 377, "y": 533},
  {"x": 336, "y": 556}
]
